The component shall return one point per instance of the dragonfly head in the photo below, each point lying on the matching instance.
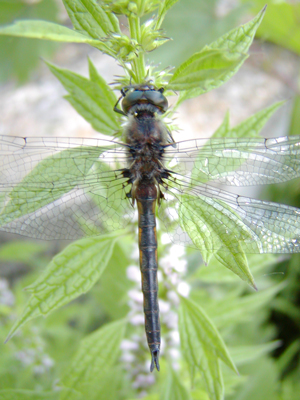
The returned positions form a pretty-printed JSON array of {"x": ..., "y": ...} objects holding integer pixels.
[{"x": 146, "y": 97}]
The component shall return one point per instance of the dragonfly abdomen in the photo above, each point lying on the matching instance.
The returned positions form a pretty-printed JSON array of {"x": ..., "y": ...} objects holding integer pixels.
[{"x": 146, "y": 196}]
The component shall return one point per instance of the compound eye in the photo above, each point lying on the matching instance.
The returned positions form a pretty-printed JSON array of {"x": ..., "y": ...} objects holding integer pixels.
[
  {"x": 131, "y": 99},
  {"x": 157, "y": 99}
]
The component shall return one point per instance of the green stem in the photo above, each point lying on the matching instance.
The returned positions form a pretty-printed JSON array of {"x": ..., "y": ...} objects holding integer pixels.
[{"x": 138, "y": 65}]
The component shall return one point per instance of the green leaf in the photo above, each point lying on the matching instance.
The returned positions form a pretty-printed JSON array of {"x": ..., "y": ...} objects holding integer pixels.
[
  {"x": 48, "y": 181},
  {"x": 227, "y": 312},
  {"x": 281, "y": 24},
  {"x": 18, "y": 56},
  {"x": 250, "y": 127},
  {"x": 23, "y": 394},
  {"x": 105, "y": 388},
  {"x": 212, "y": 163},
  {"x": 173, "y": 388},
  {"x": 205, "y": 71},
  {"x": 216, "y": 63},
  {"x": 92, "y": 98},
  {"x": 94, "y": 359},
  {"x": 202, "y": 347},
  {"x": 44, "y": 30},
  {"x": 294, "y": 128},
  {"x": 238, "y": 264},
  {"x": 215, "y": 273},
  {"x": 115, "y": 284},
  {"x": 286, "y": 358},
  {"x": 71, "y": 273},
  {"x": 20, "y": 251},
  {"x": 262, "y": 382},
  {"x": 239, "y": 40},
  {"x": 192, "y": 24},
  {"x": 90, "y": 18},
  {"x": 50, "y": 31},
  {"x": 215, "y": 228},
  {"x": 165, "y": 5},
  {"x": 224, "y": 128},
  {"x": 245, "y": 354}
]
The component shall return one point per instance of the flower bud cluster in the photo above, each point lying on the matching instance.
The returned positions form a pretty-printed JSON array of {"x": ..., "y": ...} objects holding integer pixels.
[
  {"x": 130, "y": 8},
  {"x": 124, "y": 48},
  {"x": 151, "y": 38},
  {"x": 34, "y": 355}
]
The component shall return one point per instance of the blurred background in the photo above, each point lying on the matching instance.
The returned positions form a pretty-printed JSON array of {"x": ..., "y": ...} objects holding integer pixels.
[{"x": 32, "y": 104}]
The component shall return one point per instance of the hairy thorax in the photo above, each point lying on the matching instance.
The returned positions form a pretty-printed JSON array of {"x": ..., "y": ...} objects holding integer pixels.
[{"x": 146, "y": 137}]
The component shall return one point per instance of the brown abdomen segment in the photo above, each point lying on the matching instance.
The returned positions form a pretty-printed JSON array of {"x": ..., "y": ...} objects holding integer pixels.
[{"x": 146, "y": 195}]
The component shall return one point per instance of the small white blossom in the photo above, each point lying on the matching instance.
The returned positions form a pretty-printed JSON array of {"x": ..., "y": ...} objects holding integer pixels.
[
  {"x": 164, "y": 306},
  {"x": 183, "y": 289},
  {"x": 173, "y": 297},
  {"x": 136, "y": 295},
  {"x": 129, "y": 345},
  {"x": 174, "y": 337},
  {"x": 143, "y": 381},
  {"x": 127, "y": 358},
  {"x": 138, "y": 319},
  {"x": 133, "y": 273},
  {"x": 171, "y": 320},
  {"x": 165, "y": 238}
]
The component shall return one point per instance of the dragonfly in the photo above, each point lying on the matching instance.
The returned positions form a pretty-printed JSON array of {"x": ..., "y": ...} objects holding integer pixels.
[{"x": 66, "y": 188}]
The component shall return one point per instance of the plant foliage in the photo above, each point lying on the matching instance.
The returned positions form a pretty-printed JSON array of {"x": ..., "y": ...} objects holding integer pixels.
[{"x": 208, "y": 368}]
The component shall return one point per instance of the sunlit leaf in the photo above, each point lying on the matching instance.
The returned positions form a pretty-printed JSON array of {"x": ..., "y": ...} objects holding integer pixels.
[
  {"x": 20, "y": 251},
  {"x": 115, "y": 285},
  {"x": 211, "y": 164},
  {"x": 295, "y": 119},
  {"x": 281, "y": 24},
  {"x": 36, "y": 29},
  {"x": 251, "y": 126},
  {"x": 94, "y": 359},
  {"x": 192, "y": 24},
  {"x": 63, "y": 171},
  {"x": 245, "y": 354},
  {"x": 222, "y": 163},
  {"x": 23, "y": 394},
  {"x": 89, "y": 18},
  {"x": 216, "y": 273},
  {"x": 228, "y": 311},
  {"x": 164, "y": 7},
  {"x": 203, "y": 347},
  {"x": 92, "y": 98},
  {"x": 205, "y": 70},
  {"x": 224, "y": 128},
  {"x": 71, "y": 273},
  {"x": 19, "y": 56},
  {"x": 237, "y": 263},
  {"x": 214, "y": 227},
  {"x": 173, "y": 389},
  {"x": 262, "y": 382},
  {"x": 216, "y": 63}
]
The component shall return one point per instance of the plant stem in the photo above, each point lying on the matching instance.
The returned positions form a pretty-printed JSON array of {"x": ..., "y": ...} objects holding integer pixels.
[{"x": 138, "y": 65}]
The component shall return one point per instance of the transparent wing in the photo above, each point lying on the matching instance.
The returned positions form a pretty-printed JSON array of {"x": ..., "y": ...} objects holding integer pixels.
[
  {"x": 62, "y": 188},
  {"x": 214, "y": 220},
  {"x": 237, "y": 161}
]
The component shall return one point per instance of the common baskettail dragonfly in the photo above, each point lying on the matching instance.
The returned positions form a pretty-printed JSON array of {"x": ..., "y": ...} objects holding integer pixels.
[{"x": 65, "y": 188}]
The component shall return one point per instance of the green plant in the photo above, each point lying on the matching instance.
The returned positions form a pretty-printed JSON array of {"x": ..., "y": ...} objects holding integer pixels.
[
  {"x": 94, "y": 372},
  {"x": 19, "y": 56}
]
